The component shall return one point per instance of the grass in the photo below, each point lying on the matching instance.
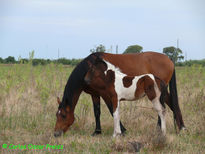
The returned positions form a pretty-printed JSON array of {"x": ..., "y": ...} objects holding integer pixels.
[{"x": 28, "y": 106}]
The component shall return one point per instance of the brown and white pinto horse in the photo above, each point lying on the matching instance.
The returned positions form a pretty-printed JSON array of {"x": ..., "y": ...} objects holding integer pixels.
[
  {"x": 130, "y": 64},
  {"x": 116, "y": 86}
]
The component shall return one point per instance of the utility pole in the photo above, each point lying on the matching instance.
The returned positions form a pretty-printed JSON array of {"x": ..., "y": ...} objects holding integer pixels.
[
  {"x": 58, "y": 53},
  {"x": 177, "y": 43},
  {"x": 116, "y": 49},
  {"x": 185, "y": 56}
]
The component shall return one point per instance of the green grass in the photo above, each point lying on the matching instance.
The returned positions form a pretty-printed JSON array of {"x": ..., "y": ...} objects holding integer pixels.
[{"x": 28, "y": 106}]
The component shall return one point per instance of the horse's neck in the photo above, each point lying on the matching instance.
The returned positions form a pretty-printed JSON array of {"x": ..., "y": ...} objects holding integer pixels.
[
  {"x": 75, "y": 98},
  {"x": 75, "y": 84},
  {"x": 71, "y": 97}
]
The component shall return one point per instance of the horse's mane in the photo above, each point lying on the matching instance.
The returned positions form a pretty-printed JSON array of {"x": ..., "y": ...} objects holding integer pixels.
[{"x": 76, "y": 80}]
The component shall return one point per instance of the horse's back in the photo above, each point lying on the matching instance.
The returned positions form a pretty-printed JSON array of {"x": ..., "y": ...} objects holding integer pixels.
[{"x": 143, "y": 63}]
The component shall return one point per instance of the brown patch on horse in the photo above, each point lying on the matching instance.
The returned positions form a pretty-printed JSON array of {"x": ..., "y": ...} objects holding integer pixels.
[
  {"x": 149, "y": 87},
  {"x": 103, "y": 85},
  {"x": 140, "y": 88},
  {"x": 110, "y": 80},
  {"x": 110, "y": 76},
  {"x": 127, "y": 81},
  {"x": 145, "y": 85},
  {"x": 108, "y": 93}
]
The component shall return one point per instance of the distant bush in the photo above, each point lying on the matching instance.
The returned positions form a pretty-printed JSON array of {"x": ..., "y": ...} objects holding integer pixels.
[
  {"x": 65, "y": 61},
  {"x": 1, "y": 60},
  {"x": 23, "y": 61},
  {"x": 36, "y": 61},
  {"x": 40, "y": 62},
  {"x": 73, "y": 62},
  {"x": 191, "y": 62}
]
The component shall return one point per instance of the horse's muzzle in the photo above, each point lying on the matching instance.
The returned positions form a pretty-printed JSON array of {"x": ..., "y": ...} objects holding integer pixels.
[{"x": 58, "y": 133}]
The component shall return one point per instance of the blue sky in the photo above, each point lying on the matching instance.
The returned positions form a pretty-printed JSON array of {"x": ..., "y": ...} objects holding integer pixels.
[{"x": 75, "y": 26}]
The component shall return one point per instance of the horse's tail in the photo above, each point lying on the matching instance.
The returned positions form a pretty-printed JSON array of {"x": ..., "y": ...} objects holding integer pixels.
[{"x": 174, "y": 102}]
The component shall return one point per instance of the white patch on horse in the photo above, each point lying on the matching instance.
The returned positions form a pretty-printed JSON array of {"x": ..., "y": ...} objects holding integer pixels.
[
  {"x": 112, "y": 67},
  {"x": 59, "y": 112},
  {"x": 127, "y": 93},
  {"x": 159, "y": 108}
]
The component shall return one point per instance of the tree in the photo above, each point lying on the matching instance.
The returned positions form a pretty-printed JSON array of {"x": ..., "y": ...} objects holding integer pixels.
[
  {"x": 1, "y": 60},
  {"x": 100, "y": 48},
  {"x": 10, "y": 60},
  {"x": 175, "y": 54},
  {"x": 133, "y": 49}
]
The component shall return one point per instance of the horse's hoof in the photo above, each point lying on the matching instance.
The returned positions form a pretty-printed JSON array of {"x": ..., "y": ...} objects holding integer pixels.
[
  {"x": 183, "y": 128},
  {"x": 118, "y": 135},
  {"x": 123, "y": 132},
  {"x": 96, "y": 133}
]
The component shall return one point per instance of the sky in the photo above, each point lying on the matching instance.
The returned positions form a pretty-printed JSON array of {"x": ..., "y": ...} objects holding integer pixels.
[{"x": 70, "y": 28}]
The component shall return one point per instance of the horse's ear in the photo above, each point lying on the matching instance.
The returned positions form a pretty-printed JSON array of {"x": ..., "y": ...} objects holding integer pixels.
[{"x": 58, "y": 100}]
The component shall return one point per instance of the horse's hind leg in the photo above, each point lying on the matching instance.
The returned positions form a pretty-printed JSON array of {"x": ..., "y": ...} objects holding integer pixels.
[
  {"x": 164, "y": 98},
  {"x": 161, "y": 113},
  {"x": 153, "y": 93}
]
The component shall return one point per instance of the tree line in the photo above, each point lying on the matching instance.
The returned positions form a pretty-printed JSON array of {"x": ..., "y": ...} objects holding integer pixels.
[
  {"x": 39, "y": 61},
  {"x": 175, "y": 54}
]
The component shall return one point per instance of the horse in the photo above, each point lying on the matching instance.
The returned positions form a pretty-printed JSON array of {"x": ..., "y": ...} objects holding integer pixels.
[
  {"x": 131, "y": 64},
  {"x": 116, "y": 86}
]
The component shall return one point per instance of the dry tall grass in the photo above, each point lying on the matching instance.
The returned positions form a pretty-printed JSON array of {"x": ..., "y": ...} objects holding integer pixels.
[{"x": 28, "y": 106}]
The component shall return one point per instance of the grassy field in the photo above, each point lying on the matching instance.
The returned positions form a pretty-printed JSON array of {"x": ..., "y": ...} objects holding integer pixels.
[{"x": 28, "y": 107}]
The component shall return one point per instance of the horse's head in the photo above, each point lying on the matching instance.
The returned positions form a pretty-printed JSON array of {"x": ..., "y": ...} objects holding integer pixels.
[
  {"x": 65, "y": 118},
  {"x": 95, "y": 77}
]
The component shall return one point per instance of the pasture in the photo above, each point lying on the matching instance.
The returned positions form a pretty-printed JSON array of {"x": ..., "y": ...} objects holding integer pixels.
[{"x": 28, "y": 106}]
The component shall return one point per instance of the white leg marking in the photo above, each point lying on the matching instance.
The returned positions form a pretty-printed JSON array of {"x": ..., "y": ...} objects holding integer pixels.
[
  {"x": 161, "y": 112},
  {"x": 116, "y": 116}
]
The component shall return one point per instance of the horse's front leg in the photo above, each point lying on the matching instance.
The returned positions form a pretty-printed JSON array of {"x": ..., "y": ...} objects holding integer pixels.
[
  {"x": 96, "y": 107},
  {"x": 110, "y": 107},
  {"x": 116, "y": 116}
]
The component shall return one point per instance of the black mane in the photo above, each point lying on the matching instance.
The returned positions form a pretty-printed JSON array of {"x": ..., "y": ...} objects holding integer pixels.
[{"x": 76, "y": 80}]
